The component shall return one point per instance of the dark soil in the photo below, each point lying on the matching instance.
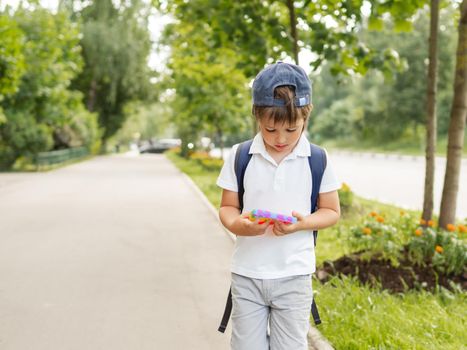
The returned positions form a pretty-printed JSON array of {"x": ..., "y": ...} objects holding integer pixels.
[{"x": 378, "y": 272}]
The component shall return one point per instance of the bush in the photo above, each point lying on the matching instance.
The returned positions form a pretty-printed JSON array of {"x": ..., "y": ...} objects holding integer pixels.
[
  {"x": 375, "y": 237},
  {"x": 386, "y": 239},
  {"x": 206, "y": 161},
  {"x": 443, "y": 248},
  {"x": 345, "y": 197}
]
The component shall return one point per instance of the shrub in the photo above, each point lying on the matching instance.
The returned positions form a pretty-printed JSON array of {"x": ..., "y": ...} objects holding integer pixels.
[
  {"x": 206, "y": 161},
  {"x": 443, "y": 248},
  {"x": 376, "y": 237},
  {"x": 345, "y": 197}
]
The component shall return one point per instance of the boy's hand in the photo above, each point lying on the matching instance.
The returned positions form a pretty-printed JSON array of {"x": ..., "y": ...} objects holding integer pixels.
[
  {"x": 243, "y": 226},
  {"x": 281, "y": 229}
]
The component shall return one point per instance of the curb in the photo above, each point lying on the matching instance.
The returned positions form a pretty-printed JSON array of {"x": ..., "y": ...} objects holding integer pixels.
[
  {"x": 316, "y": 341},
  {"x": 208, "y": 204}
]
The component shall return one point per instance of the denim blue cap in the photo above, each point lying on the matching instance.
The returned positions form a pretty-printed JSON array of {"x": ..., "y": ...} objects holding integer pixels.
[{"x": 279, "y": 74}]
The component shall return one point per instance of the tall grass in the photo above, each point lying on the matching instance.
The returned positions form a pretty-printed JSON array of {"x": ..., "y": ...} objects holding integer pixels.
[{"x": 358, "y": 317}]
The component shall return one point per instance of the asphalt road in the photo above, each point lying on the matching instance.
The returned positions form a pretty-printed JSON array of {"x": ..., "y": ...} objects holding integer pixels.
[
  {"x": 114, "y": 253},
  {"x": 396, "y": 179}
]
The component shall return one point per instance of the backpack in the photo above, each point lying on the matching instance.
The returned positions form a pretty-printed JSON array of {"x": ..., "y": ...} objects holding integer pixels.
[{"x": 317, "y": 161}]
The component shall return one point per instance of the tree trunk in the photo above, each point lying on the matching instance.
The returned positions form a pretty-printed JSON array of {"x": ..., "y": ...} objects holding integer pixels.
[
  {"x": 431, "y": 113},
  {"x": 456, "y": 126},
  {"x": 293, "y": 29}
]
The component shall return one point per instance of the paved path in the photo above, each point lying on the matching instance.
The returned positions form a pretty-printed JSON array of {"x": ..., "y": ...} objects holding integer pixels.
[{"x": 112, "y": 253}]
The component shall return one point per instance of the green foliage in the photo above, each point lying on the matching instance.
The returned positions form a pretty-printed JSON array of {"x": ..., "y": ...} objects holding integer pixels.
[
  {"x": 43, "y": 113},
  {"x": 207, "y": 162},
  {"x": 144, "y": 121},
  {"x": 11, "y": 56},
  {"x": 422, "y": 246},
  {"x": 334, "y": 34},
  {"x": 345, "y": 197},
  {"x": 342, "y": 120},
  {"x": 387, "y": 238},
  {"x": 376, "y": 108},
  {"x": 210, "y": 92},
  {"x": 444, "y": 249},
  {"x": 377, "y": 238},
  {"x": 256, "y": 30},
  {"x": 22, "y": 134},
  {"x": 357, "y": 317},
  {"x": 116, "y": 45}
]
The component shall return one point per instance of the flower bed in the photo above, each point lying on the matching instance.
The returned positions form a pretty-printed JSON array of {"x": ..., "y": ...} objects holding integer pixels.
[{"x": 403, "y": 253}]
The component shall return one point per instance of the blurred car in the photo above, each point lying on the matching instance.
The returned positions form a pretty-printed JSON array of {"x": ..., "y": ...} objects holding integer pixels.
[{"x": 159, "y": 146}]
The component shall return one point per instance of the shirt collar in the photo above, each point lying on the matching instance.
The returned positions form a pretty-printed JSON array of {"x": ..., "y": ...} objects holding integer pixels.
[{"x": 302, "y": 149}]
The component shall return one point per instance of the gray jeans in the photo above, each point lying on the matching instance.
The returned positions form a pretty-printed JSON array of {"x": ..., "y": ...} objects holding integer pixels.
[{"x": 283, "y": 304}]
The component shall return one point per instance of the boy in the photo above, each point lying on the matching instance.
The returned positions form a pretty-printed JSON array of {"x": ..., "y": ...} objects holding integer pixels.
[{"x": 272, "y": 262}]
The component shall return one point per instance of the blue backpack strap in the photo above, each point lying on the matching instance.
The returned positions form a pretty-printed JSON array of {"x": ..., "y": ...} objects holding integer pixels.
[
  {"x": 242, "y": 158},
  {"x": 317, "y": 161}
]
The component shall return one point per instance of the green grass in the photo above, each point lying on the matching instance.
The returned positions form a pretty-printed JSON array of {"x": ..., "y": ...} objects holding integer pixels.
[
  {"x": 205, "y": 180},
  {"x": 356, "y": 316}
]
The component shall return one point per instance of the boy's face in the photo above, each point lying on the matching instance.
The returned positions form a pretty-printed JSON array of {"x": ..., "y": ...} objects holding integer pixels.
[{"x": 280, "y": 138}]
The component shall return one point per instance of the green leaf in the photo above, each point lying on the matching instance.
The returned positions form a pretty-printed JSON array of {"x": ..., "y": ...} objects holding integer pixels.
[{"x": 375, "y": 23}]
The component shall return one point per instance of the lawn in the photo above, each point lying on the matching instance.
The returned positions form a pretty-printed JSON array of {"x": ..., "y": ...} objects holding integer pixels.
[{"x": 359, "y": 317}]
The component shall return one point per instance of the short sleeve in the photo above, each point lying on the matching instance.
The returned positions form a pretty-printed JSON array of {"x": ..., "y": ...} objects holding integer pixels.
[
  {"x": 227, "y": 178},
  {"x": 330, "y": 182}
]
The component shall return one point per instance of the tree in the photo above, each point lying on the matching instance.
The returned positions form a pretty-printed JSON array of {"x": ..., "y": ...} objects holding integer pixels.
[
  {"x": 11, "y": 56},
  {"x": 210, "y": 91},
  {"x": 431, "y": 112},
  {"x": 456, "y": 126},
  {"x": 393, "y": 108},
  {"x": 293, "y": 29},
  {"x": 116, "y": 46},
  {"x": 43, "y": 113}
]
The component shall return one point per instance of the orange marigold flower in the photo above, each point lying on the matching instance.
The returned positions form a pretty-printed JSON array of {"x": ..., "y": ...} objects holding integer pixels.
[
  {"x": 366, "y": 231},
  {"x": 379, "y": 219},
  {"x": 462, "y": 228},
  {"x": 418, "y": 232},
  {"x": 450, "y": 227},
  {"x": 422, "y": 222},
  {"x": 373, "y": 214},
  {"x": 431, "y": 223},
  {"x": 439, "y": 249}
]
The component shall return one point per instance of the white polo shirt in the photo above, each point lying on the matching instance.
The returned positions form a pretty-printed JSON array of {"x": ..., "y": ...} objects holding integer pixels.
[{"x": 282, "y": 189}]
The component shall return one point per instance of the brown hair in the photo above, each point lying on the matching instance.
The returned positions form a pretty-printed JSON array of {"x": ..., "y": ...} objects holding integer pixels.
[{"x": 281, "y": 114}]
